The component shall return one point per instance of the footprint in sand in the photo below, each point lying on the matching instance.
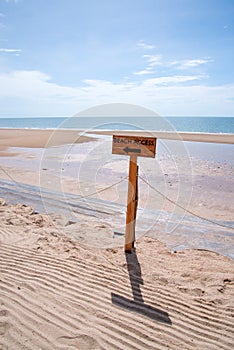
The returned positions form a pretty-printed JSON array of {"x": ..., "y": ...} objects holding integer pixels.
[{"x": 4, "y": 325}]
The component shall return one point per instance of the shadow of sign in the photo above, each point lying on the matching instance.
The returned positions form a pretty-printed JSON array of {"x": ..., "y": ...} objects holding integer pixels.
[{"x": 137, "y": 304}]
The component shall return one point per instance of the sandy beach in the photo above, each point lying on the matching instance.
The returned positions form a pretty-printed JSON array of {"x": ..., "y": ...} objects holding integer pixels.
[{"x": 58, "y": 291}]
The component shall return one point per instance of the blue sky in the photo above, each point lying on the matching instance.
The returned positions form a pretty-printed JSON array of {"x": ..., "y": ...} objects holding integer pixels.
[{"x": 58, "y": 57}]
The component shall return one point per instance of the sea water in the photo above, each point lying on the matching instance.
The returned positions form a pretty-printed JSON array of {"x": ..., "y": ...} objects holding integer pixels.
[{"x": 185, "y": 124}]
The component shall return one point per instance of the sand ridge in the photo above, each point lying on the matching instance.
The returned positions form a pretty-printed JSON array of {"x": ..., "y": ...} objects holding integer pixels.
[{"x": 57, "y": 293}]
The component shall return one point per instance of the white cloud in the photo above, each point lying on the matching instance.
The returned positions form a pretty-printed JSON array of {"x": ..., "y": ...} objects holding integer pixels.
[
  {"x": 143, "y": 72},
  {"x": 145, "y": 46},
  {"x": 34, "y": 93},
  {"x": 157, "y": 60},
  {"x": 11, "y": 51},
  {"x": 186, "y": 64},
  {"x": 175, "y": 79},
  {"x": 32, "y": 84},
  {"x": 37, "y": 84},
  {"x": 154, "y": 60}
]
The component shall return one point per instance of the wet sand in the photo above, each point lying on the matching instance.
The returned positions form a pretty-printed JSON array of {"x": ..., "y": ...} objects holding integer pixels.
[{"x": 40, "y": 138}]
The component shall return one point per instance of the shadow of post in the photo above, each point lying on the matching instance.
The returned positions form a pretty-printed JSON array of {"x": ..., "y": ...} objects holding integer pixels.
[{"x": 137, "y": 304}]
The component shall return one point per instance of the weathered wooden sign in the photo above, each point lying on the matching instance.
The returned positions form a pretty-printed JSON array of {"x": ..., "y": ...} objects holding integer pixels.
[{"x": 134, "y": 145}]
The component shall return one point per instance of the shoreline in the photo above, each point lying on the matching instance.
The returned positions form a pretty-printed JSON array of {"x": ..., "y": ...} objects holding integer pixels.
[{"x": 41, "y": 137}]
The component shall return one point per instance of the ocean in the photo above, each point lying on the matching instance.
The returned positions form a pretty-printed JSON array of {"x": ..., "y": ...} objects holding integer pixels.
[{"x": 220, "y": 125}]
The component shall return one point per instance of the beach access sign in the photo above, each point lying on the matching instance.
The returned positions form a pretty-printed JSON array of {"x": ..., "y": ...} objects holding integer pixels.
[{"x": 134, "y": 146}]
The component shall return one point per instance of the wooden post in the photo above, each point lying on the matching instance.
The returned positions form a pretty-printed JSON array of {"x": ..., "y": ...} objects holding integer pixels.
[
  {"x": 136, "y": 205},
  {"x": 131, "y": 205},
  {"x": 133, "y": 146}
]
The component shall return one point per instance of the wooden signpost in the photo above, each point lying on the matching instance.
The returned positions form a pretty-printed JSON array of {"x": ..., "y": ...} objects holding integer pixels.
[{"x": 133, "y": 146}]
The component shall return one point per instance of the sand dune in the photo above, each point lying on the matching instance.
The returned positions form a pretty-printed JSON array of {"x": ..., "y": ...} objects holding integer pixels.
[{"x": 57, "y": 293}]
